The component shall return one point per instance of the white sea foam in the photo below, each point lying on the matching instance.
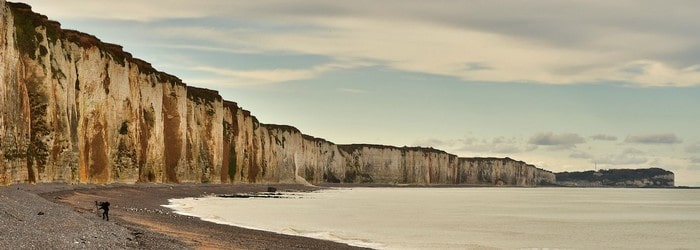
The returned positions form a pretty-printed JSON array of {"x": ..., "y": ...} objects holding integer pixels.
[{"x": 473, "y": 218}]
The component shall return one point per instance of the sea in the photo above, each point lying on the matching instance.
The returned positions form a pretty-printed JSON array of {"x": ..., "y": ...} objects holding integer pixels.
[{"x": 470, "y": 218}]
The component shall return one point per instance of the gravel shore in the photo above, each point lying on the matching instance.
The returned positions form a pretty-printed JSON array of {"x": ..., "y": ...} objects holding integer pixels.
[{"x": 60, "y": 216}]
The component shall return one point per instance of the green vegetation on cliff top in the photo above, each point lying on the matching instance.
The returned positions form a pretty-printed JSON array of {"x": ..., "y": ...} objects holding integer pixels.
[{"x": 612, "y": 176}]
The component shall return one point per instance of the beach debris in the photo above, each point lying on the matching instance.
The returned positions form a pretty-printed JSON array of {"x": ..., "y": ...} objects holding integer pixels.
[{"x": 271, "y": 195}]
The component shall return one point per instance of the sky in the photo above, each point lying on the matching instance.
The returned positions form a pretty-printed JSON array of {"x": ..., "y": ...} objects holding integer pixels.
[{"x": 565, "y": 85}]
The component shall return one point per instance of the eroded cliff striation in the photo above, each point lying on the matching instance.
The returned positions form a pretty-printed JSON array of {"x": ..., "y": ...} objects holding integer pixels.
[{"x": 78, "y": 110}]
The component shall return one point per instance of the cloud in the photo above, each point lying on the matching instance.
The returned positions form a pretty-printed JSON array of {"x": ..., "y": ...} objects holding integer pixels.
[
  {"x": 668, "y": 138},
  {"x": 202, "y": 48},
  {"x": 562, "y": 141},
  {"x": 580, "y": 155},
  {"x": 551, "y": 42},
  {"x": 433, "y": 142},
  {"x": 602, "y": 137},
  {"x": 352, "y": 90},
  {"x": 499, "y": 145},
  {"x": 693, "y": 148},
  {"x": 137, "y": 10},
  {"x": 472, "y": 66},
  {"x": 629, "y": 156},
  {"x": 505, "y": 149},
  {"x": 656, "y": 73},
  {"x": 632, "y": 151},
  {"x": 267, "y": 76},
  {"x": 695, "y": 160}
]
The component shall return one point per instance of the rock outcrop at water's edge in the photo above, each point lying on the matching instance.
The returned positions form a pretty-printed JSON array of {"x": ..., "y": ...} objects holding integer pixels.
[{"x": 78, "y": 110}]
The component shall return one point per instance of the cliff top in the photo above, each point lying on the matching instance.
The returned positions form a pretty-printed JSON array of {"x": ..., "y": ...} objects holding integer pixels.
[
  {"x": 355, "y": 147},
  {"x": 26, "y": 22},
  {"x": 203, "y": 95},
  {"x": 284, "y": 128}
]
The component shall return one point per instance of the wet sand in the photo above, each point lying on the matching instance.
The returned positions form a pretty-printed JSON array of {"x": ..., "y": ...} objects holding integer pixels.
[{"x": 136, "y": 212}]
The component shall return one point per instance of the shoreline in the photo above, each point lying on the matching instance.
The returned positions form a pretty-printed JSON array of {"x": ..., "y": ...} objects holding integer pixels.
[
  {"x": 138, "y": 214},
  {"x": 370, "y": 185},
  {"x": 65, "y": 216}
]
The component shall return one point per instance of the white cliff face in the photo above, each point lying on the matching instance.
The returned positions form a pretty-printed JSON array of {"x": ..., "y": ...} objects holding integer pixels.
[
  {"x": 83, "y": 111},
  {"x": 503, "y": 171},
  {"x": 14, "y": 125},
  {"x": 77, "y": 110},
  {"x": 385, "y": 164},
  {"x": 274, "y": 153}
]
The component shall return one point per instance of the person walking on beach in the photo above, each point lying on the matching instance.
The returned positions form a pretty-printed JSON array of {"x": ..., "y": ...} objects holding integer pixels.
[{"x": 105, "y": 207}]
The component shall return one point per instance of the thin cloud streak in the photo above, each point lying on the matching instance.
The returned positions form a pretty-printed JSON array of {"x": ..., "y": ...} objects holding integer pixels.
[
  {"x": 352, "y": 91},
  {"x": 580, "y": 155},
  {"x": 602, "y": 137},
  {"x": 205, "y": 48},
  {"x": 568, "y": 140},
  {"x": 695, "y": 160},
  {"x": 497, "y": 145},
  {"x": 693, "y": 148},
  {"x": 668, "y": 138},
  {"x": 268, "y": 76}
]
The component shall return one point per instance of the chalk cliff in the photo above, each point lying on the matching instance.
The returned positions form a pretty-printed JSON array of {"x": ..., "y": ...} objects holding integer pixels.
[
  {"x": 78, "y": 110},
  {"x": 650, "y": 177}
]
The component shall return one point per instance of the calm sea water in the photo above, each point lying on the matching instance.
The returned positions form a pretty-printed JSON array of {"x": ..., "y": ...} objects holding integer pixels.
[{"x": 471, "y": 218}]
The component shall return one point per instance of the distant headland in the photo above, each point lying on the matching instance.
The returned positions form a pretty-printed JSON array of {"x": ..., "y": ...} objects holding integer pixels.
[{"x": 651, "y": 177}]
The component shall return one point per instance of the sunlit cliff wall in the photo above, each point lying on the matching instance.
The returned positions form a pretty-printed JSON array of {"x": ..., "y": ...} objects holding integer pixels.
[{"x": 77, "y": 110}]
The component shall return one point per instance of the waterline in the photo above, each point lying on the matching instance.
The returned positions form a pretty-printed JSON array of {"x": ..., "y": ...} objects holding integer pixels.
[{"x": 458, "y": 218}]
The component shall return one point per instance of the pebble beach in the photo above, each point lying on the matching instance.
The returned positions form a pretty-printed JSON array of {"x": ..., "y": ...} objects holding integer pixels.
[{"x": 62, "y": 216}]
